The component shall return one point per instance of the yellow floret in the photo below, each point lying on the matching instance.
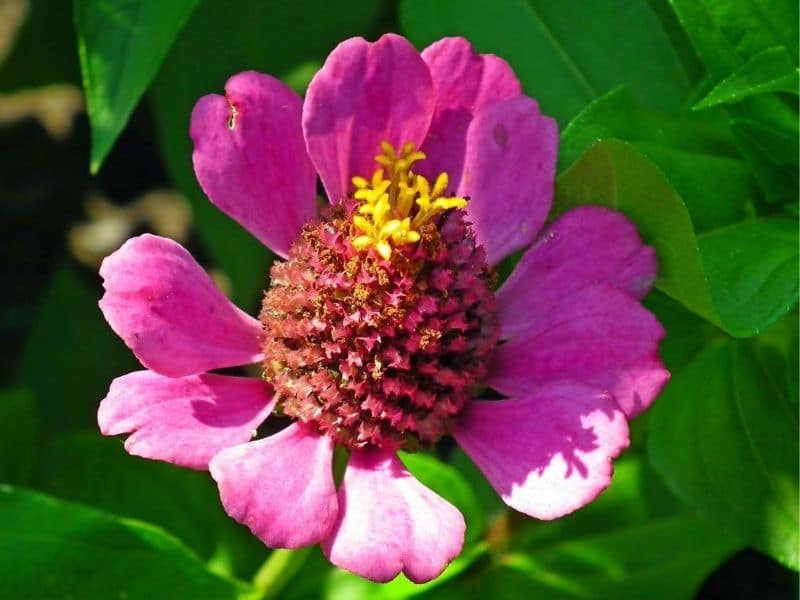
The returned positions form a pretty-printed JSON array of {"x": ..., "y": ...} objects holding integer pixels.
[{"x": 396, "y": 202}]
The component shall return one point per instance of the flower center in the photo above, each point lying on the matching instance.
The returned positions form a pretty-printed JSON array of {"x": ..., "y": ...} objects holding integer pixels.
[{"x": 379, "y": 325}]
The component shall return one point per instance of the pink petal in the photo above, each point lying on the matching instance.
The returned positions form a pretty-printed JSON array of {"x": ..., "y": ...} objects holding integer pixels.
[
  {"x": 586, "y": 245},
  {"x": 184, "y": 420},
  {"x": 170, "y": 314},
  {"x": 599, "y": 336},
  {"x": 509, "y": 170},
  {"x": 364, "y": 94},
  {"x": 547, "y": 453},
  {"x": 465, "y": 83},
  {"x": 389, "y": 522},
  {"x": 281, "y": 487},
  {"x": 250, "y": 157}
]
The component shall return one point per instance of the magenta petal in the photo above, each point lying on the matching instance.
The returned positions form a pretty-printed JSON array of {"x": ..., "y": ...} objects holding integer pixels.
[
  {"x": 465, "y": 82},
  {"x": 586, "y": 245},
  {"x": 389, "y": 522},
  {"x": 250, "y": 157},
  {"x": 600, "y": 336},
  {"x": 281, "y": 487},
  {"x": 364, "y": 94},
  {"x": 168, "y": 311},
  {"x": 509, "y": 170},
  {"x": 548, "y": 453},
  {"x": 184, "y": 420}
]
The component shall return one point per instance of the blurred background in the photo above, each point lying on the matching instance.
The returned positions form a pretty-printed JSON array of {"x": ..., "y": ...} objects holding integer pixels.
[{"x": 70, "y": 194}]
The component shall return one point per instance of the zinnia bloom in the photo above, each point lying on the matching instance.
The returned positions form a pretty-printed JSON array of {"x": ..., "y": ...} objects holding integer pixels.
[{"x": 382, "y": 330}]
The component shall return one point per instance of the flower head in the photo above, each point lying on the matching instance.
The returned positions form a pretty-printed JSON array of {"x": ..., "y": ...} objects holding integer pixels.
[{"x": 382, "y": 328}]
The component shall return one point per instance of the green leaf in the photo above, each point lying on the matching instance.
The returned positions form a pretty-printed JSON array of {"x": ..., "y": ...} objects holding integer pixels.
[
  {"x": 451, "y": 485},
  {"x": 696, "y": 152},
  {"x": 566, "y": 54},
  {"x": 724, "y": 438},
  {"x": 734, "y": 39},
  {"x": 85, "y": 467},
  {"x": 664, "y": 558},
  {"x": 772, "y": 154},
  {"x": 634, "y": 541},
  {"x": 771, "y": 70},
  {"x": 687, "y": 334},
  {"x": 17, "y": 430},
  {"x": 71, "y": 356},
  {"x": 752, "y": 270},
  {"x": 121, "y": 45},
  {"x": 53, "y": 549},
  {"x": 216, "y": 44},
  {"x": 727, "y": 33},
  {"x": 742, "y": 298}
]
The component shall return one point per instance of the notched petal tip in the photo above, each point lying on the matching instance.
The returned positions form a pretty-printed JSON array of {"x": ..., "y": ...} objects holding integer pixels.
[{"x": 390, "y": 523}]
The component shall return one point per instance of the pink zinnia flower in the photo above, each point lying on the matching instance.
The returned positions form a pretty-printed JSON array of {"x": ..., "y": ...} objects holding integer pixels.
[{"x": 382, "y": 323}]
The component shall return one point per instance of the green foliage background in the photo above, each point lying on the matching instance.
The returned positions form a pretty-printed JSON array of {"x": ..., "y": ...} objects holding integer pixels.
[{"x": 682, "y": 114}]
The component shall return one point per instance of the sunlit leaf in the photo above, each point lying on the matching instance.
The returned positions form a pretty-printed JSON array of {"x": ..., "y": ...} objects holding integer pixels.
[
  {"x": 741, "y": 289},
  {"x": 771, "y": 70},
  {"x": 724, "y": 438}
]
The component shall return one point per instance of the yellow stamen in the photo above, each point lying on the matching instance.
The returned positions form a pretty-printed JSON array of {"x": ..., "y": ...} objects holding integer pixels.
[{"x": 396, "y": 202}]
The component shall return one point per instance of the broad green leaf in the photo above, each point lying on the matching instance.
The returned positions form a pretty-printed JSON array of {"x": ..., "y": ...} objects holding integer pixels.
[
  {"x": 54, "y": 549},
  {"x": 279, "y": 38},
  {"x": 71, "y": 355},
  {"x": 121, "y": 45},
  {"x": 17, "y": 430},
  {"x": 678, "y": 39},
  {"x": 727, "y": 33},
  {"x": 687, "y": 334},
  {"x": 634, "y": 541},
  {"x": 743, "y": 297},
  {"x": 696, "y": 152},
  {"x": 771, "y": 70},
  {"x": 724, "y": 438},
  {"x": 772, "y": 154},
  {"x": 664, "y": 558},
  {"x": 451, "y": 485},
  {"x": 636, "y": 495},
  {"x": 736, "y": 37},
  {"x": 752, "y": 270},
  {"x": 566, "y": 54},
  {"x": 85, "y": 467}
]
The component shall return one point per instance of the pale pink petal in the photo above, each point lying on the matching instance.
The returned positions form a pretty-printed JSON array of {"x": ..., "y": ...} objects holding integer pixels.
[
  {"x": 364, "y": 94},
  {"x": 586, "y": 245},
  {"x": 598, "y": 335},
  {"x": 169, "y": 312},
  {"x": 250, "y": 157},
  {"x": 465, "y": 82},
  {"x": 389, "y": 522},
  {"x": 184, "y": 420},
  {"x": 281, "y": 487},
  {"x": 509, "y": 170},
  {"x": 547, "y": 453}
]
